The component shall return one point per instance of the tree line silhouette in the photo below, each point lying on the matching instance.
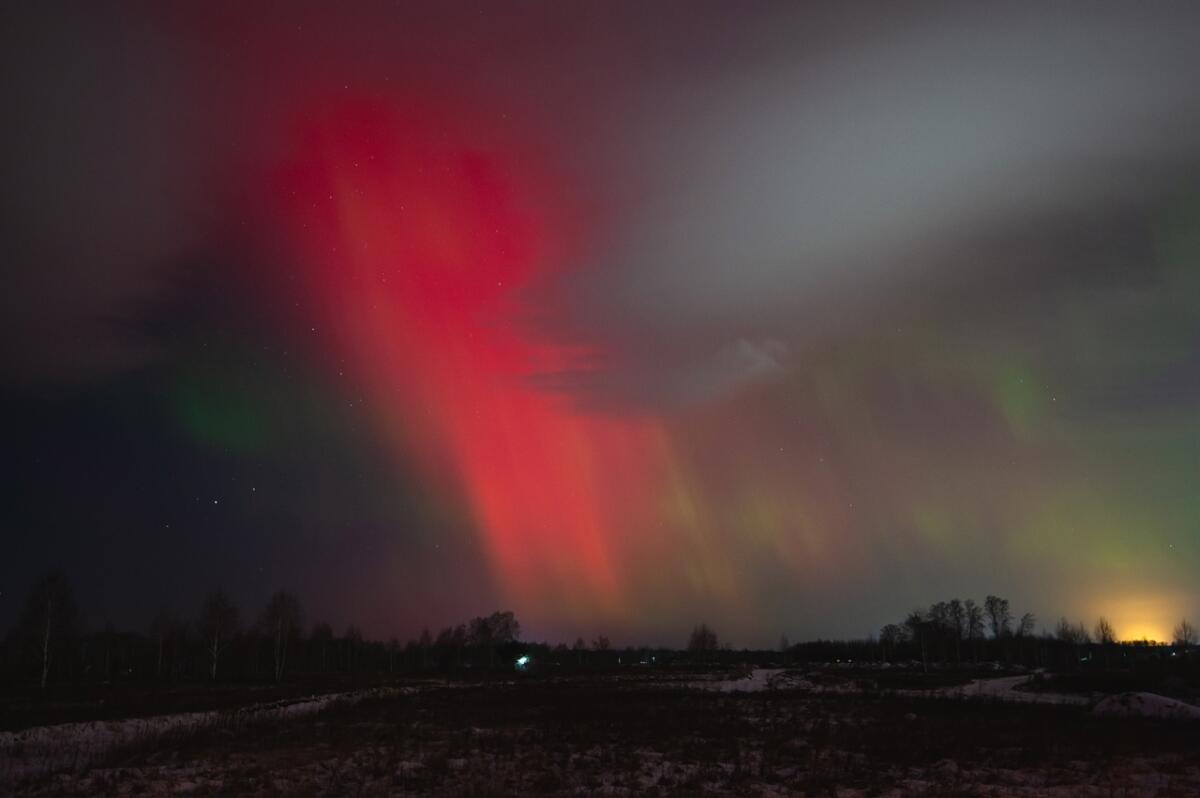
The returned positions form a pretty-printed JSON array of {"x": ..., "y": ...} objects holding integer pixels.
[
  {"x": 218, "y": 644},
  {"x": 955, "y": 631}
]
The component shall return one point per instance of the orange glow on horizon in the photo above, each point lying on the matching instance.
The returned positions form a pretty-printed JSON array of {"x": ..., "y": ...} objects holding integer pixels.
[{"x": 1139, "y": 617}]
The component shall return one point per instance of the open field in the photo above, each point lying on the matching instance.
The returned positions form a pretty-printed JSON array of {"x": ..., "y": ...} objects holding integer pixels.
[
  {"x": 774, "y": 733},
  {"x": 23, "y": 706}
]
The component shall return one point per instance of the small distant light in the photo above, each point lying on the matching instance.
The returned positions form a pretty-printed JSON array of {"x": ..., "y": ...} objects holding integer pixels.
[{"x": 522, "y": 662}]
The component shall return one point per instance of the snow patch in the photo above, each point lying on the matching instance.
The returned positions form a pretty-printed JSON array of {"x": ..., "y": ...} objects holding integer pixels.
[
  {"x": 1145, "y": 705},
  {"x": 758, "y": 680},
  {"x": 46, "y": 749}
]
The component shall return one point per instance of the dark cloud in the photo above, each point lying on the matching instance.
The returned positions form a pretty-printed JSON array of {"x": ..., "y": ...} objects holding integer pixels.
[
  {"x": 104, "y": 187},
  {"x": 966, "y": 154}
]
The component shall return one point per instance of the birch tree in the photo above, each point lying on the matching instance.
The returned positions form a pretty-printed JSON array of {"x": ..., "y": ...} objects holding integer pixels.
[
  {"x": 218, "y": 624},
  {"x": 281, "y": 622},
  {"x": 49, "y": 618}
]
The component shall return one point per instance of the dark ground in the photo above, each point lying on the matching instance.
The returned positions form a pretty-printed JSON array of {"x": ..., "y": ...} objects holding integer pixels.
[
  {"x": 25, "y": 705},
  {"x": 22, "y": 706},
  {"x": 640, "y": 734}
]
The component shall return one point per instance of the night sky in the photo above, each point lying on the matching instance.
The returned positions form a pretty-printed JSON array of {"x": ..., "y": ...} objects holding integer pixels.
[{"x": 624, "y": 316}]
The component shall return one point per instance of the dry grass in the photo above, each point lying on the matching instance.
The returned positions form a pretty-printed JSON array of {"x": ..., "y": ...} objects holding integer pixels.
[{"x": 637, "y": 737}]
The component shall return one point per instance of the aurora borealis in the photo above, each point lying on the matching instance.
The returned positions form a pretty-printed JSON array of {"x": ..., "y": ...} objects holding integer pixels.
[{"x": 786, "y": 319}]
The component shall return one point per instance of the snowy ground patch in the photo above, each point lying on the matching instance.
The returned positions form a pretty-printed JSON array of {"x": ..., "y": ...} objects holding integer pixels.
[
  {"x": 1145, "y": 705},
  {"x": 1005, "y": 688},
  {"x": 67, "y": 746},
  {"x": 730, "y": 737},
  {"x": 757, "y": 680}
]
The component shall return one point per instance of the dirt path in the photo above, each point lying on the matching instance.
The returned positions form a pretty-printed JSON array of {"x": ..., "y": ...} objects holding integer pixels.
[{"x": 1004, "y": 688}]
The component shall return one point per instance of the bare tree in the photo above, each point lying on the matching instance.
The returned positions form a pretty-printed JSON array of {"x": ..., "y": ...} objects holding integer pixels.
[
  {"x": 425, "y": 645},
  {"x": 1027, "y": 624},
  {"x": 891, "y": 636},
  {"x": 579, "y": 648},
  {"x": 919, "y": 627},
  {"x": 958, "y": 623},
  {"x": 164, "y": 627},
  {"x": 1064, "y": 632},
  {"x": 702, "y": 640},
  {"x": 940, "y": 625},
  {"x": 354, "y": 641},
  {"x": 998, "y": 615},
  {"x": 1076, "y": 634},
  {"x": 495, "y": 630},
  {"x": 449, "y": 645},
  {"x": 218, "y": 624},
  {"x": 321, "y": 636},
  {"x": 505, "y": 627},
  {"x": 1104, "y": 632},
  {"x": 601, "y": 643},
  {"x": 281, "y": 621},
  {"x": 1185, "y": 634},
  {"x": 49, "y": 617},
  {"x": 974, "y": 614}
]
